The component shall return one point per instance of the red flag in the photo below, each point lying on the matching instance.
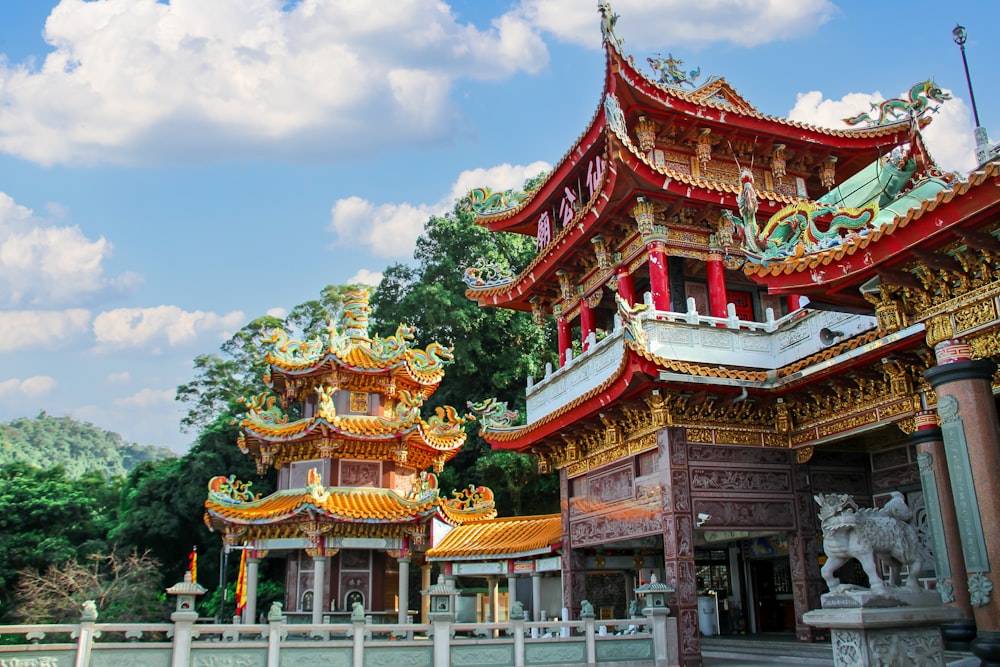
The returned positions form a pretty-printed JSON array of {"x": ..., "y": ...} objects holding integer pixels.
[
  {"x": 241, "y": 584},
  {"x": 193, "y": 564}
]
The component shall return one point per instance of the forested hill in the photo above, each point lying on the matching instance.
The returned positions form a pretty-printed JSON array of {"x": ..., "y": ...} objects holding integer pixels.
[{"x": 77, "y": 446}]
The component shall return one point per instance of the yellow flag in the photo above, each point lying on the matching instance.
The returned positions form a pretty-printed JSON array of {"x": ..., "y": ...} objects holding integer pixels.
[{"x": 241, "y": 584}]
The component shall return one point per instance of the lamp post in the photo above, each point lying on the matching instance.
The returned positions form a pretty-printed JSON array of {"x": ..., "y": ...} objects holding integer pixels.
[
  {"x": 959, "y": 34},
  {"x": 983, "y": 149}
]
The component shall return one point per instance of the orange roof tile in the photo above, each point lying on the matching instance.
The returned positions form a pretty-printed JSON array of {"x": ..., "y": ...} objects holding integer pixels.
[
  {"x": 354, "y": 504},
  {"x": 508, "y": 538}
]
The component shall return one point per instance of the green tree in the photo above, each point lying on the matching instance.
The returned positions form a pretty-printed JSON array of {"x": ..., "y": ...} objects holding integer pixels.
[
  {"x": 79, "y": 447},
  {"x": 163, "y": 504},
  {"x": 495, "y": 349},
  {"x": 46, "y": 518}
]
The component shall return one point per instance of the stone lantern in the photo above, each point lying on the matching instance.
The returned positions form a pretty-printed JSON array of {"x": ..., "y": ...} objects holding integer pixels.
[
  {"x": 186, "y": 592},
  {"x": 442, "y": 596},
  {"x": 654, "y": 594}
]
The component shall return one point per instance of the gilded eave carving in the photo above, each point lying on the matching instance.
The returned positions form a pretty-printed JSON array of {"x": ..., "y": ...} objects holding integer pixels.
[{"x": 868, "y": 399}]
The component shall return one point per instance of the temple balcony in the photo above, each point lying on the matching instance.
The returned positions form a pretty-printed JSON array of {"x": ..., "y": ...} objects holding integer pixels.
[{"x": 706, "y": 341}]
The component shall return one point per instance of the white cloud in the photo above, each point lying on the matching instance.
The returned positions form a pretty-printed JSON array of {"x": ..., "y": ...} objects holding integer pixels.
[
  {"x": 47, "y": 265},
  {"x": 119, "y": 378},
  {"x": 33, "y": 387},
  {"x": 649, "y": 24},
  {"x": 146, "y": 398},
  {"x": 366, "y": 277},
  {"x": 145, "y": 81},
  {"x": 391, "y": 230},
  {"x": 949, "y": 136},
  {"x": 280, "y": 313},
  {"x": 41, "y": 329},
  {"x": 153, "y": 327}
]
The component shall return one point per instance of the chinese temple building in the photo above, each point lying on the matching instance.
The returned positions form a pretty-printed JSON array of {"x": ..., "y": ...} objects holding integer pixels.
[
  {"x": 752, "y": 311},
  {"x": 356, "y": 485}
]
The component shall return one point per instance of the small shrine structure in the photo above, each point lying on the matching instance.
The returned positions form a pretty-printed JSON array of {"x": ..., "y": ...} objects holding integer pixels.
[
  {"x": 751, "y": 311},
  {"x": 357, "y": 491}
]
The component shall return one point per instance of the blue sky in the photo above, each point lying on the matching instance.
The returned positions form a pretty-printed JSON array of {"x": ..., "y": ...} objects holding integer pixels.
[{"x": 170, "y": 170}]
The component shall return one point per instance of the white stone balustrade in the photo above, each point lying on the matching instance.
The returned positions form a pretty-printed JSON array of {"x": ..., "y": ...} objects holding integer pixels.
[{"x": 703, "y": 340}]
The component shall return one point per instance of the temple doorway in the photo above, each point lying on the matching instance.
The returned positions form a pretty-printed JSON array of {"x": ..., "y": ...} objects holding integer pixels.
[{"x": 771, "y": 582}]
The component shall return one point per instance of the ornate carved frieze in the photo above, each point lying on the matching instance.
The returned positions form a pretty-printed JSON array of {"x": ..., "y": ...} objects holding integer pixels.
[{"x": 748, "y": 513}]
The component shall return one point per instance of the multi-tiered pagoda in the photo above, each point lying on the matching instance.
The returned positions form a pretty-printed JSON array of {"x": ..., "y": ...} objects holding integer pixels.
[
  {"x": 698, "y": 407},
  {"x": 356, "y": 471}
]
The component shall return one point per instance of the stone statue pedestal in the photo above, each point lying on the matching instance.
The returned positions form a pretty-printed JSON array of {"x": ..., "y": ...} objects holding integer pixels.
[{"x": 901, "y": 636}]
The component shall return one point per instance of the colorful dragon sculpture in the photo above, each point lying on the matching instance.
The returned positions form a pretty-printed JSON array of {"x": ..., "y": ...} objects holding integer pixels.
[
  {"x": 670, "y": 71},
  {"x": 483, "y": 201},
  {"x": 486, "y": 275},
  {"x": 493, "y": 414},
  {"x": 795, "y": 229},
  {"x": 918, "y": 101}
]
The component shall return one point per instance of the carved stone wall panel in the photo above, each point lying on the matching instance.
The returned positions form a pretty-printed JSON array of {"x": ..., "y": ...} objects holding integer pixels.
[
  {"x": 748, "y": 514},
  {"x": 723, "y": 454},
  {"x": 612, "y": 485},
  {"x": 598, "y": 530},
  {"x": 680, "y": 491},
  {"x": 669, "y": 538},
  {"x": 896, "y": 477},
  {"x": 828, "y": 481},
  {"x": 685, "y": 535},
  {"x": 722, "y": 479},
  {"x": 676, "y": 445},
  {"x": 690, "y": 639}
]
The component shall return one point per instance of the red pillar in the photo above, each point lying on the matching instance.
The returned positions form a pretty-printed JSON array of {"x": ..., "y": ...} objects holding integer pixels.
[
  {"x": 586, "y": 323},
  {"x": 659, "y": 283},
  {"x": 793, "y": 302},
  {"x": 562, "y": 327},
  {"x": 716, "y": 285},
  {"x": 626, "y": 285}
]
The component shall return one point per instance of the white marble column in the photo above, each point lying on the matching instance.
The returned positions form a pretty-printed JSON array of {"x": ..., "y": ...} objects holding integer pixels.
[
  {"x": 536, "y": 596},
  {"x": 319, "y": 586},
  {"x": 250, "y": 610},
  {"x": 404, "y": 589},
  {"x": 511, "y": 592}
]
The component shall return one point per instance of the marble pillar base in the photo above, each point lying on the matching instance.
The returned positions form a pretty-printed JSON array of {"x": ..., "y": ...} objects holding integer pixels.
[
  {"x": 986, "y": 647},
  {"x": 898, "y": 636}
]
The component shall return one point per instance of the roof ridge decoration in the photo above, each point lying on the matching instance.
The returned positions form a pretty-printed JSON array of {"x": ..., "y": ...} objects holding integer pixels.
[
  {"x": 482, "y": 201},
  {"x": 487, "y": 274},
  {"x": 494, "y": 415},
  {"x": 916, "y": 104},
  {"x": 848, "y": 216},
  {"x": 289, "y": 353},
  {"x": 670, "y": 71},
  {"x": 608, "y": 21}
]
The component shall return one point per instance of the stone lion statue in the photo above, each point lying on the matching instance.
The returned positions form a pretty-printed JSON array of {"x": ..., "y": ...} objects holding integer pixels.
[{"x": 864, "y": 534}]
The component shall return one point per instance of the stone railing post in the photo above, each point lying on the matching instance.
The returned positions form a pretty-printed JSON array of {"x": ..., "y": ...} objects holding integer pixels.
[
  {"x": 591, "y": 642},
  {"x": 86, "y": 638},
  {"x": 359, "y": 641},
  {"x": 183, "y": 632},
  {"x": 661, "y": 640},
  {"x": 517, "y": 629},
  {"x": 442, "y": 640},
  {"x": 275, "y": 628}
]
